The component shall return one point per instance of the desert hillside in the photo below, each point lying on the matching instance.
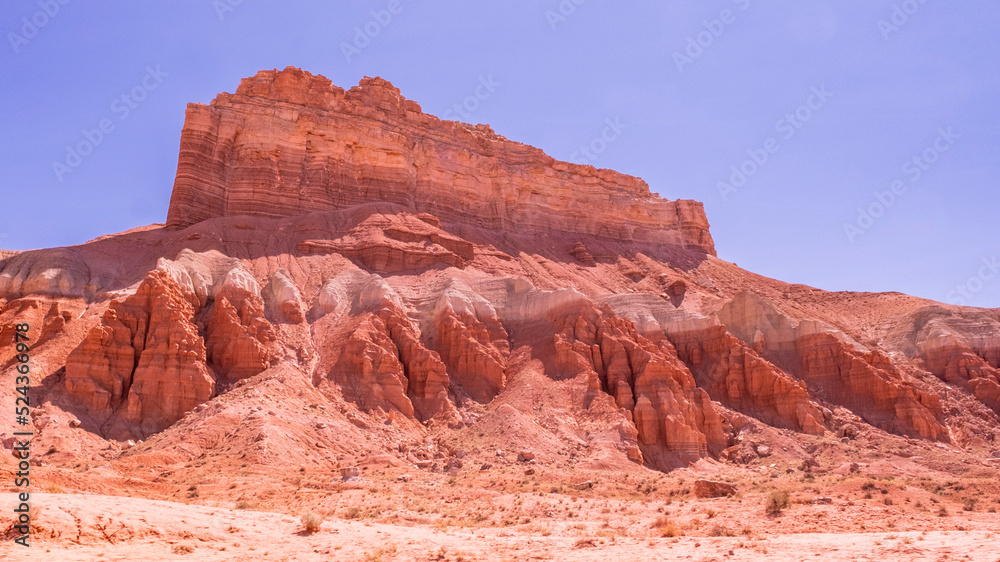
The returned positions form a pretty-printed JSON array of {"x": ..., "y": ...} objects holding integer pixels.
[{"x": 449, "y": 345}]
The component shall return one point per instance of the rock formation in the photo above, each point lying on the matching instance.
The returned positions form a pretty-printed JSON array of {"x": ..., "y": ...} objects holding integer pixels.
[
  {"x": 472, "y": 342},
  {"x": 842, "y": 370},
  {"x": 385, "y": 365},
  {"x": 148, "y": 362},
  {"x": 963, "y": 351},
  {"x": 675, "y": 419},
  {"x": 400, "y": 275},
  {"x": 144, "y": 366},
  {"x": 713, "y": 489},
  {"x": 738, "y": 377},
  {"x": 317, "y": 147},
  {"x": 238, "y": 332}
]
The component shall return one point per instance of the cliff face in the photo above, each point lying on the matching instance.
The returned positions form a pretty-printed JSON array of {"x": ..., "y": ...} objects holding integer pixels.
[
  {"x": 289, "y": 143},
  {"x": 366, "y": 260}
]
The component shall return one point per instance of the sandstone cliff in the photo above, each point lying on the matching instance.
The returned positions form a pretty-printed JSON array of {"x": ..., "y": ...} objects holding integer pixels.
[{"x": 289, "y": 143}]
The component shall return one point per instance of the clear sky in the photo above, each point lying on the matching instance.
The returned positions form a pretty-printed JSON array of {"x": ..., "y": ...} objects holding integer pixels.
[{"x": 848, "y": 145}]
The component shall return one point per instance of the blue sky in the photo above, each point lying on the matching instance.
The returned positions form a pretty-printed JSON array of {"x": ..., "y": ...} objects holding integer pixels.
[{"x": 849, "y": 145}]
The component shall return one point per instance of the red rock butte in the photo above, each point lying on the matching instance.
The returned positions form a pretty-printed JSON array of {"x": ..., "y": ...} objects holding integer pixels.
[
  {"x": 370, "y": 276},
  {"x": 349, "y": 288},
  {"x": 289, "y": 143}
]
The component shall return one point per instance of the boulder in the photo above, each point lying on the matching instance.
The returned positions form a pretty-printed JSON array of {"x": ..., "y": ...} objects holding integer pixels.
[{"x": 713, "y": 489}]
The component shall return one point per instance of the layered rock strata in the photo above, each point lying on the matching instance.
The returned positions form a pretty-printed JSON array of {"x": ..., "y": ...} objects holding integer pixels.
[
  {"x": 400, "y": 270},
  {"x": 962, "y": 351},
  {"x": 289, "y": 143},
  {"x": 675, "y": 419},
  {"x": 835, "y": 367}
]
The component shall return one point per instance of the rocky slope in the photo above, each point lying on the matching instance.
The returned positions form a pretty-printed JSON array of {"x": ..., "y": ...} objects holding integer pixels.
[{"x": 340, "y": 272}]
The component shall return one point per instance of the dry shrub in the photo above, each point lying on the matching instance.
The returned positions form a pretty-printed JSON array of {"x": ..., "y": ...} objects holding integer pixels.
[
  {"x": 667, "y": 527},
  {"x": 377, "y": 555},
  {"x": 721, "y": 531},
  {"x": 776, "y": 503},
  {"x": 311, "y": 521}
]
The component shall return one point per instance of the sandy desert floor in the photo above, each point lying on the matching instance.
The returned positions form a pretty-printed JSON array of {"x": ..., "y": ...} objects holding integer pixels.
[
  {"x": 113, "y": 528},
  {"x": 389, "y": 514}
]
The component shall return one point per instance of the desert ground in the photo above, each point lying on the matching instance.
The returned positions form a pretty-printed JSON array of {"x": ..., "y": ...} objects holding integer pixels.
[{"x": 889, "y": 508}]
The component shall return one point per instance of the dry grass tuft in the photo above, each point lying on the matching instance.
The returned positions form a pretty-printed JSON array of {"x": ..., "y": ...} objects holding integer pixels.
[
  {"x": 776, "y": 503},
  {"x": 311, "y": 521},
  {"x": 666, "y": 527},
  {"x": 721, "y": 531}
]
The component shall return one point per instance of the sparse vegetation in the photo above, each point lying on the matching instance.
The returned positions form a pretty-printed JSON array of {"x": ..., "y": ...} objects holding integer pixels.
[
  {"x": 312, "y": 521},
  {"x": 666, "y": 527},
  {"x": 721, "y": 531},
  {"x": 776, "y": 503},
  {"x": 380, "y": 554}
]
